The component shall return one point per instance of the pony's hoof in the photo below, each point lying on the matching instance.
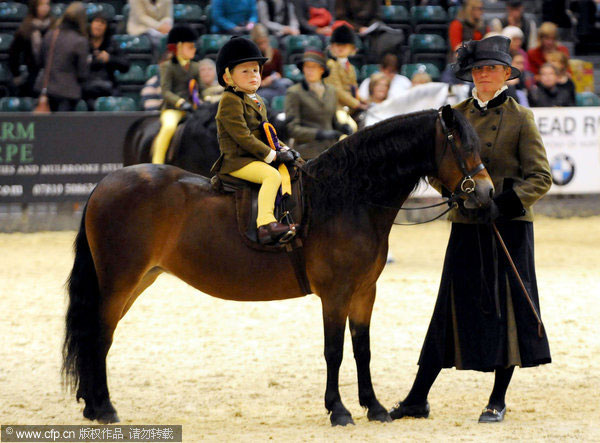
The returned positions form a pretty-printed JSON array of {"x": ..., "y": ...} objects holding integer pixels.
[
  {"x": 380, "y": 415},
  {"x": 342, "y": 419},
  {"x": 108, "y": 417}
]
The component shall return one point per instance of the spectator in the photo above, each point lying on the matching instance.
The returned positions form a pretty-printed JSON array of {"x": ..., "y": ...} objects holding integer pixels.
[
  {"x": 516, "y": 40},
  {"x": 518, "y": 87},
  {"x": 315, "y": 16},
  {"x": 547, "y": 43},
  {"x": 379, "y": 87},
  {"x": 515, "y": 17},
  {"x": 546, "y": 92},
  {"x": 69, "y": 67},
  {"x": 420, "y": 78},
  {"x": 211, "y": 89},
  {"x": 360, "y": 14},
  {"x": 272, "y": 83},
  {"x": 107, "y": 58},
  {"x": 153, "y": 18},
  {"x": 24, "y": 54},
  {"x": 561, "y": 63},
  {"x": 278, "y": 16},
  {"x": 468, "y": 25},
  {"x": 233, "y": 16},
  {"x": 389, "y": 66},
  {"x": 310, "y": 107}
]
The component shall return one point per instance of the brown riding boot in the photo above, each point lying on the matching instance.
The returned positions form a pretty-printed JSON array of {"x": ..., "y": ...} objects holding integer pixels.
[{"x": 275, "y": 232}]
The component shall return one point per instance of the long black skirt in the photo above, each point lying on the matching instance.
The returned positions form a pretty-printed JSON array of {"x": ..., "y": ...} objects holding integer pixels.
[{"x": 482, "y": 320}]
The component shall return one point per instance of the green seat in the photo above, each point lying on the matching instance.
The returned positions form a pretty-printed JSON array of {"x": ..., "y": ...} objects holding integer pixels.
[
  {"x": 115, "y": 104},
  {"x": 211, "y": 43},
  {"x": 367, "y": 70},
  {"x": 426, "y": 43},
  {"x": 428, "y": 14},
  {"x": 296, "y": 44},
  {"x": 452, "y": 11},
  {"x": 151, "y": 71},
  {"x": 133, "y": 44},
  {"x": 587, "y": 99},
  {"x": 135, "y": 75},
  {"x": 278, "y": 103},
  {"x": 292, "y": 72},
  {"x": 5, "y": 41},
  {"x": 431, "y": 69},
  {"x": 16, "y": 104},
  {"x": 81, "y": 106},
  {"x": 395, "y": 14},
  {"x": 274, "y": 41},
  {"x": 107, "y": 9},
  {"x": 12, "y": 11},
  {"x": 187, "y": 12},
  {"x": 57, "y": 9},
  {"x": 5, "y": 75}
]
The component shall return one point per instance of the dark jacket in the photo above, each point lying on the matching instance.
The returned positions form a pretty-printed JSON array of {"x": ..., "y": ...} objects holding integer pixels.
[
  {"x": 309, "y": 114},
  {"x": 70, "y": 66},
  {"x": 357, "y": 12},
  {"x": 118, "y": 61},
  {"x": 174, "y": 81},
  {"x": 540, "y": 96}
]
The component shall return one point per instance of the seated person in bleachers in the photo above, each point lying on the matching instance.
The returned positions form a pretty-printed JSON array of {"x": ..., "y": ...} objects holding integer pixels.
[
  {"x": 342, "y": 74},
  {"x": 278, "y": 16},
  {"x": 315, "y": 16},
  {"x": 518, "y": 88},
  {"x": 468, "y": 24},
  {"x": 547, "y": 43},
  {"x": 272, "y": 81},
  {"x": 420, "y": 78},
  {"x": 379, "y": 88},
  {"x": 211, "y": 89},
  {"x": 310, "y": 108},
  {"x": 515, "y": 17},
  {"x": 151, "y": 98},
  {"x": 25, "y": 50},
  {"x": 546, "y": 93},
  {"x": 107, "y": 58},
  {"x": 233, "y": 16},
  {"x": 516, "y": 40},
  {"x": 153, "y": 18},
  {"x": 561, "y": 63},
  {"x": 389, "y": 66},
  {"x": 360, "y": 14}
]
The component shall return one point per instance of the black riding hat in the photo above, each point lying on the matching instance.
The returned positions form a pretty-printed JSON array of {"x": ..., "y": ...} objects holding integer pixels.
[
  {"x": 489, "y": 51},
  {"x": 237, "y": 50},
  {"x": 343, "y": 34},
  {"x": 181, "y": 33}
]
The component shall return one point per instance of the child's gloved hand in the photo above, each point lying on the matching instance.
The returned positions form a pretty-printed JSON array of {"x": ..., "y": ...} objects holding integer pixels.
[
  {"x": 186, "y": 106},
  {"x": 285, "y": 157}
]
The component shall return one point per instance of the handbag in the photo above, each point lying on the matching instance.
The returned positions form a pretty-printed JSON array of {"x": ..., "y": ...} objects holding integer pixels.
[{"x": 43, "y": 106}]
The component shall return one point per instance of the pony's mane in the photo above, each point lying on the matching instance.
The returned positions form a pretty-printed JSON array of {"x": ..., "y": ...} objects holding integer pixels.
[{"x": 380, "y": 163}]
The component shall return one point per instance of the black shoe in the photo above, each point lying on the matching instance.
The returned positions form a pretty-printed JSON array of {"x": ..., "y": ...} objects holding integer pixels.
[
  {"x": 275, "y": 232},
  {"x": 491, "y": 415},
  {"x": 416, "y": 411}
]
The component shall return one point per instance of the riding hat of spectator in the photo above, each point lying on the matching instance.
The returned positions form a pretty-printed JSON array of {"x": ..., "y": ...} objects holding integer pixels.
[
  {"x": 514, "y": 3},
  {"x": 343, "y": 35},
  {"x": 237, "y": 50},
  {"x": 181, "y": 34},
  {"x": 489, "y": 51},
  {"x": 316, "y": 56}
]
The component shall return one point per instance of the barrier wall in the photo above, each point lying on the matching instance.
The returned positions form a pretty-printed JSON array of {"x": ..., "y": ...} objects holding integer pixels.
[{"x": 60, "y": 157}]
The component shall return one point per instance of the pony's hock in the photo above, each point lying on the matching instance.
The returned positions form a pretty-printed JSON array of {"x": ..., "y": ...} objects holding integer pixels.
[{"x": 147, "y": 219}]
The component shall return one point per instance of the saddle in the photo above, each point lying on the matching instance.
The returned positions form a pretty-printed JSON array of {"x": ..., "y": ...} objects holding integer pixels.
[
  {"x": 175, "y": 142},
  {"x": 288, "y": 209}
]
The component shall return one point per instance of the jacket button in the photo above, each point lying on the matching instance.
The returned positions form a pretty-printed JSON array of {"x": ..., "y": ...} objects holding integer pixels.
[
  {"x": 494, "y": 128},
  {"x": 488, "y": 144}
]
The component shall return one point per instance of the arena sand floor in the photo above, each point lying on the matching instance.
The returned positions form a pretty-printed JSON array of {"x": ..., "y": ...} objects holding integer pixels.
[{"x": 229, "y": 371}]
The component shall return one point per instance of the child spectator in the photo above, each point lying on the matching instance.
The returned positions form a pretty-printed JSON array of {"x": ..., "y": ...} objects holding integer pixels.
[
  {"x": 561, "y": 63},
  {"x": 389, "y": 67},
  {"x": 547, "y": 43},
  {"x": 379, "y": 87},
  {"x": 546, "y": 93},
  {"x": 211, "y": 89}
]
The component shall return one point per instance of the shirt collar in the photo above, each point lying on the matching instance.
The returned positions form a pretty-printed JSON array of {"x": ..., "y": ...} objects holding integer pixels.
[
  {"x": 484, "y": 105},
  {"x": 182, "y": 61}
]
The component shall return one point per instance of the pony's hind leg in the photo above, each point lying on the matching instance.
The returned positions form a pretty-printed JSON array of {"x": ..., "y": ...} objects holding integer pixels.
[{"x": 361, "y": 308}]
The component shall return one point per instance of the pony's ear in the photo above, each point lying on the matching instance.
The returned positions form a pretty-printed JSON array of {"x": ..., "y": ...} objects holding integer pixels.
[{"x": 448, "y": 116}]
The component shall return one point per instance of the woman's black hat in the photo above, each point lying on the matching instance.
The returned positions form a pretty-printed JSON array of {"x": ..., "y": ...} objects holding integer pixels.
[
  {"x": 237, "y": 50},
  {"x": 343, "y": 34},
  {"x": 489, "y": 51},
  {"x": 181, "y": 33},
  {"x": 314, "y": 55}
]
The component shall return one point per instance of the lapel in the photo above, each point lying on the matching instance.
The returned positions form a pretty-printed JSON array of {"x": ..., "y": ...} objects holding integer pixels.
[{"x": 253, "y": 104}]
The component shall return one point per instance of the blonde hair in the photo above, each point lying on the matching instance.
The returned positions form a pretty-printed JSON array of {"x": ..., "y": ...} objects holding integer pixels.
[
  {"x": 258, "y": 32},
  {"x": 547, "y": 29},
  {"x": 378, "y": 77},
  {"x": 560, "y": 57},
  {"x": 420, "y": 78}
]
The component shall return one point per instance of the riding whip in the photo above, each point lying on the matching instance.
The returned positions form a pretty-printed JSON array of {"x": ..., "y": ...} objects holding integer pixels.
[{"x": 514, "y": 268}]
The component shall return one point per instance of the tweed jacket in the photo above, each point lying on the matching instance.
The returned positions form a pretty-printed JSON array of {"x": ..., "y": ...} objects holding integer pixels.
[
  {"x": 344, "y": 82},
  {"x": 309, "y": 114},
  {"x": 145, "y": 15},
  {"x": 174, "y": 81},
  {"x": 512, "y": 152},
  {"x": 239, "y": 132}
]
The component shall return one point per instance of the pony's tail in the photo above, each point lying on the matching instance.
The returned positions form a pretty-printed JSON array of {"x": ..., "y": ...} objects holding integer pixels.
[{"x": 82, "y": 335}]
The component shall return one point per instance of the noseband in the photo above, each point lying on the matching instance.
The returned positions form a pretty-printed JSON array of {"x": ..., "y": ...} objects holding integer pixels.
[{"x": 467, "y": 184}]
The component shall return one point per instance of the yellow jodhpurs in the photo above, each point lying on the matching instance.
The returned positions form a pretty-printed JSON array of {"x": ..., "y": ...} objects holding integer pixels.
[
  {"x": 169, "y": 118},
  {"x": 270, "y": 180}
]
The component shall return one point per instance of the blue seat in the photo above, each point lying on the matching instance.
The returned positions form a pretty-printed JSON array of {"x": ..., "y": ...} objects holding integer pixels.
[
  {"x": 135, "y": 75},
  {"x": 296, "y": 44},
  {"x": 430, "y": 19},
  {"x": 115, "y": 104},
  {"x": 187, "y": 12},
  {"x": 57, "y": 9},
  {"x": 394, "y": 14},
  {"x": 5, "y": 42},
  {"x": 151, "y": 71},
  {"x": 428, "y": 48},
  {"x": 410, "y": 69},
  {"x": 587, "y": 99},
  {"x": 135, "y": 46},
  {"x": 278, "y": 104},
  {"x": 211, "y": 43},
  {"x": 107, "y": 9},
  {"x": 16, "y": 104},
  {"x": 367, "y": 70},
  {"x": 12, "y": 12},
  {"x": 292, "y": 72}
]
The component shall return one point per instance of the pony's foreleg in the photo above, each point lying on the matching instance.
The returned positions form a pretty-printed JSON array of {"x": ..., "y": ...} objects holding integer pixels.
[
  {"x": 334, "y": 320},
  {"x": 361, "y": 308}
]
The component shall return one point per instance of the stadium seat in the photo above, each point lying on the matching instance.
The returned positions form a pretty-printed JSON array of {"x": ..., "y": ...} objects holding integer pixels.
[
  {"x": 5, "y": 42},
  {"x": 428, "y": 48},
  {"x": 278, "y": 104},
  {"x": 57, "y": 9},
  {"x": 16, "y": 104},
  {"x": 107, "y": 9},
  {"x": 135, "y": 75},
  {"x": 115, "y": 104},
  {"x": 395, "y": 14},
  {"x": 429, "y": 20},
  {"x": 452, "y": 11},
  {"x": 296, "y": 44},
  {"x": 211, "y": 43},
  {"x": 292, "y": 72},
  {"x": 431, "y": 69},
  {"x": 587, "y": 99},
  {"x": 11, "y": 15},
  {"x": 151, "y": 71},
  {"x": 367, "y": 70},
  {"x": 81, "y": 106},
  {"x": 135, "y": 46},
  {"x": 5, "y": 75},
  {"x": 187, "y": 12}
]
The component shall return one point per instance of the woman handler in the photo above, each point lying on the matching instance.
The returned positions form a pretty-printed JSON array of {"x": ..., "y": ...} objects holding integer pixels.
[{"x": 482, "y": 319}]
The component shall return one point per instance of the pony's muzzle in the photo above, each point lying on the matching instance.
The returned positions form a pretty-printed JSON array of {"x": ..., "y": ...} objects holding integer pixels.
[{"x": 482, "y": 195}]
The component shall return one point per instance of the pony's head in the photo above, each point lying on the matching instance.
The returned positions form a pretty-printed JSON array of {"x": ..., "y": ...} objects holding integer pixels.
[{"x": 459, "y": 166}]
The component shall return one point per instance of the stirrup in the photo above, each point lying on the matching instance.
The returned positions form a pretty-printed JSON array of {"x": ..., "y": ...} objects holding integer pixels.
[{"x": 288, "y": 236}]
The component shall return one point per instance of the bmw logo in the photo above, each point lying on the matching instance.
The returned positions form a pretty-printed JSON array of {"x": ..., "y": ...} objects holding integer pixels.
[{"x": 563, "y": 169}]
